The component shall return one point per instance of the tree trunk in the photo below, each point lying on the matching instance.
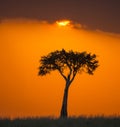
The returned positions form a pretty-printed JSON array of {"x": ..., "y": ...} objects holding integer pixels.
[{"x": 64, "y": 103}]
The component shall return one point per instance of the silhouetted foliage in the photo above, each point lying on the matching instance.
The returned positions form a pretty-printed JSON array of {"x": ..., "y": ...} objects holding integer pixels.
[{"x": 70, "y": 62}]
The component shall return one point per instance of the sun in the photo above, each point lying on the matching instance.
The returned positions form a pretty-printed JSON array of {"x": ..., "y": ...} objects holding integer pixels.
[{"x": 63, "y": 22}]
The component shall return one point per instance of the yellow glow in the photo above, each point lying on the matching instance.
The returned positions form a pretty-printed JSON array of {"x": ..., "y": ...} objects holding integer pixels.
[{"x": 63, "y": 23}]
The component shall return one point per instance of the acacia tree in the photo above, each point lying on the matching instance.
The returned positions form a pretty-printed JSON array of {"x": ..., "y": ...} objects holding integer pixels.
[{"x": 68, "y": 64}]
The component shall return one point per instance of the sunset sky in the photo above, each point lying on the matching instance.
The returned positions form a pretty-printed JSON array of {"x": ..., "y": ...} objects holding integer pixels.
[{"x": 30, "y": 29}]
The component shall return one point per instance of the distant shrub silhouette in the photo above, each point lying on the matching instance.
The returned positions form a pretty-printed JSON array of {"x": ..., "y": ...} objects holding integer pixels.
[{"x": 68, "y": 65}]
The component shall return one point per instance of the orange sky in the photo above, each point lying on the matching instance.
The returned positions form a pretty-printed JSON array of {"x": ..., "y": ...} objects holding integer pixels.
[{"x": 24, "y": 93}]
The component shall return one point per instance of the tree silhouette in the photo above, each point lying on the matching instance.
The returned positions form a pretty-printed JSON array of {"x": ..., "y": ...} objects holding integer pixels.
[{"x": 68, "y": 64}]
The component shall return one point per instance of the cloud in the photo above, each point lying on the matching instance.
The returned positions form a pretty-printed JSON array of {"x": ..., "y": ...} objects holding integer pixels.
[
  {"x": 73, "y": 24},
  {"x": 23, "y": 20},
  {"x": 78, "y": 25},
  {"x": 117, "y": 35}
]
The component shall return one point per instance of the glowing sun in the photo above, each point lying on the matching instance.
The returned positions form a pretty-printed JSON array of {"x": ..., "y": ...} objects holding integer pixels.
[{"x": 63, "y": 23}]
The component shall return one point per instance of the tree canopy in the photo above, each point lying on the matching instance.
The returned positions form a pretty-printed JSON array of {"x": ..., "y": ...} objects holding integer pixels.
[{"x": 73, "y": 61}]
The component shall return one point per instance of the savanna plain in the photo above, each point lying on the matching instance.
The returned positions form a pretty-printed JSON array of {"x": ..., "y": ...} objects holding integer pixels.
[{"x": 82, "y": 121}]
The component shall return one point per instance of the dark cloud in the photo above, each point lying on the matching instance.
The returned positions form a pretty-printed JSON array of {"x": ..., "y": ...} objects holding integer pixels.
[{"x": 96, "y": 14}]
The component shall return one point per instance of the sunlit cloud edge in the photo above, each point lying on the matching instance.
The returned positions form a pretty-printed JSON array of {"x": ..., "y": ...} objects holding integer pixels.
[{"x": 73, "y": 24}]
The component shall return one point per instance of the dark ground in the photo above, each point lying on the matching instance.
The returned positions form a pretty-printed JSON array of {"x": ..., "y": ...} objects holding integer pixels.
[{"x": 98, "y": 121}]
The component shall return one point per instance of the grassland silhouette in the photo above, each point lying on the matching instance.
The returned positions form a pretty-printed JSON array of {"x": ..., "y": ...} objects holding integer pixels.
[
  {"x": 68, "y": 64},
  {"x": 99, "y": 121}
]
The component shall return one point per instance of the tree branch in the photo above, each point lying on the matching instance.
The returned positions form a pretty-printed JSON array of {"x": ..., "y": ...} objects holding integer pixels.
[
  {"x": 62, "y": 74},
  {"x": 74, "y": 74},
  {"x": 69, "y": 75}
]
